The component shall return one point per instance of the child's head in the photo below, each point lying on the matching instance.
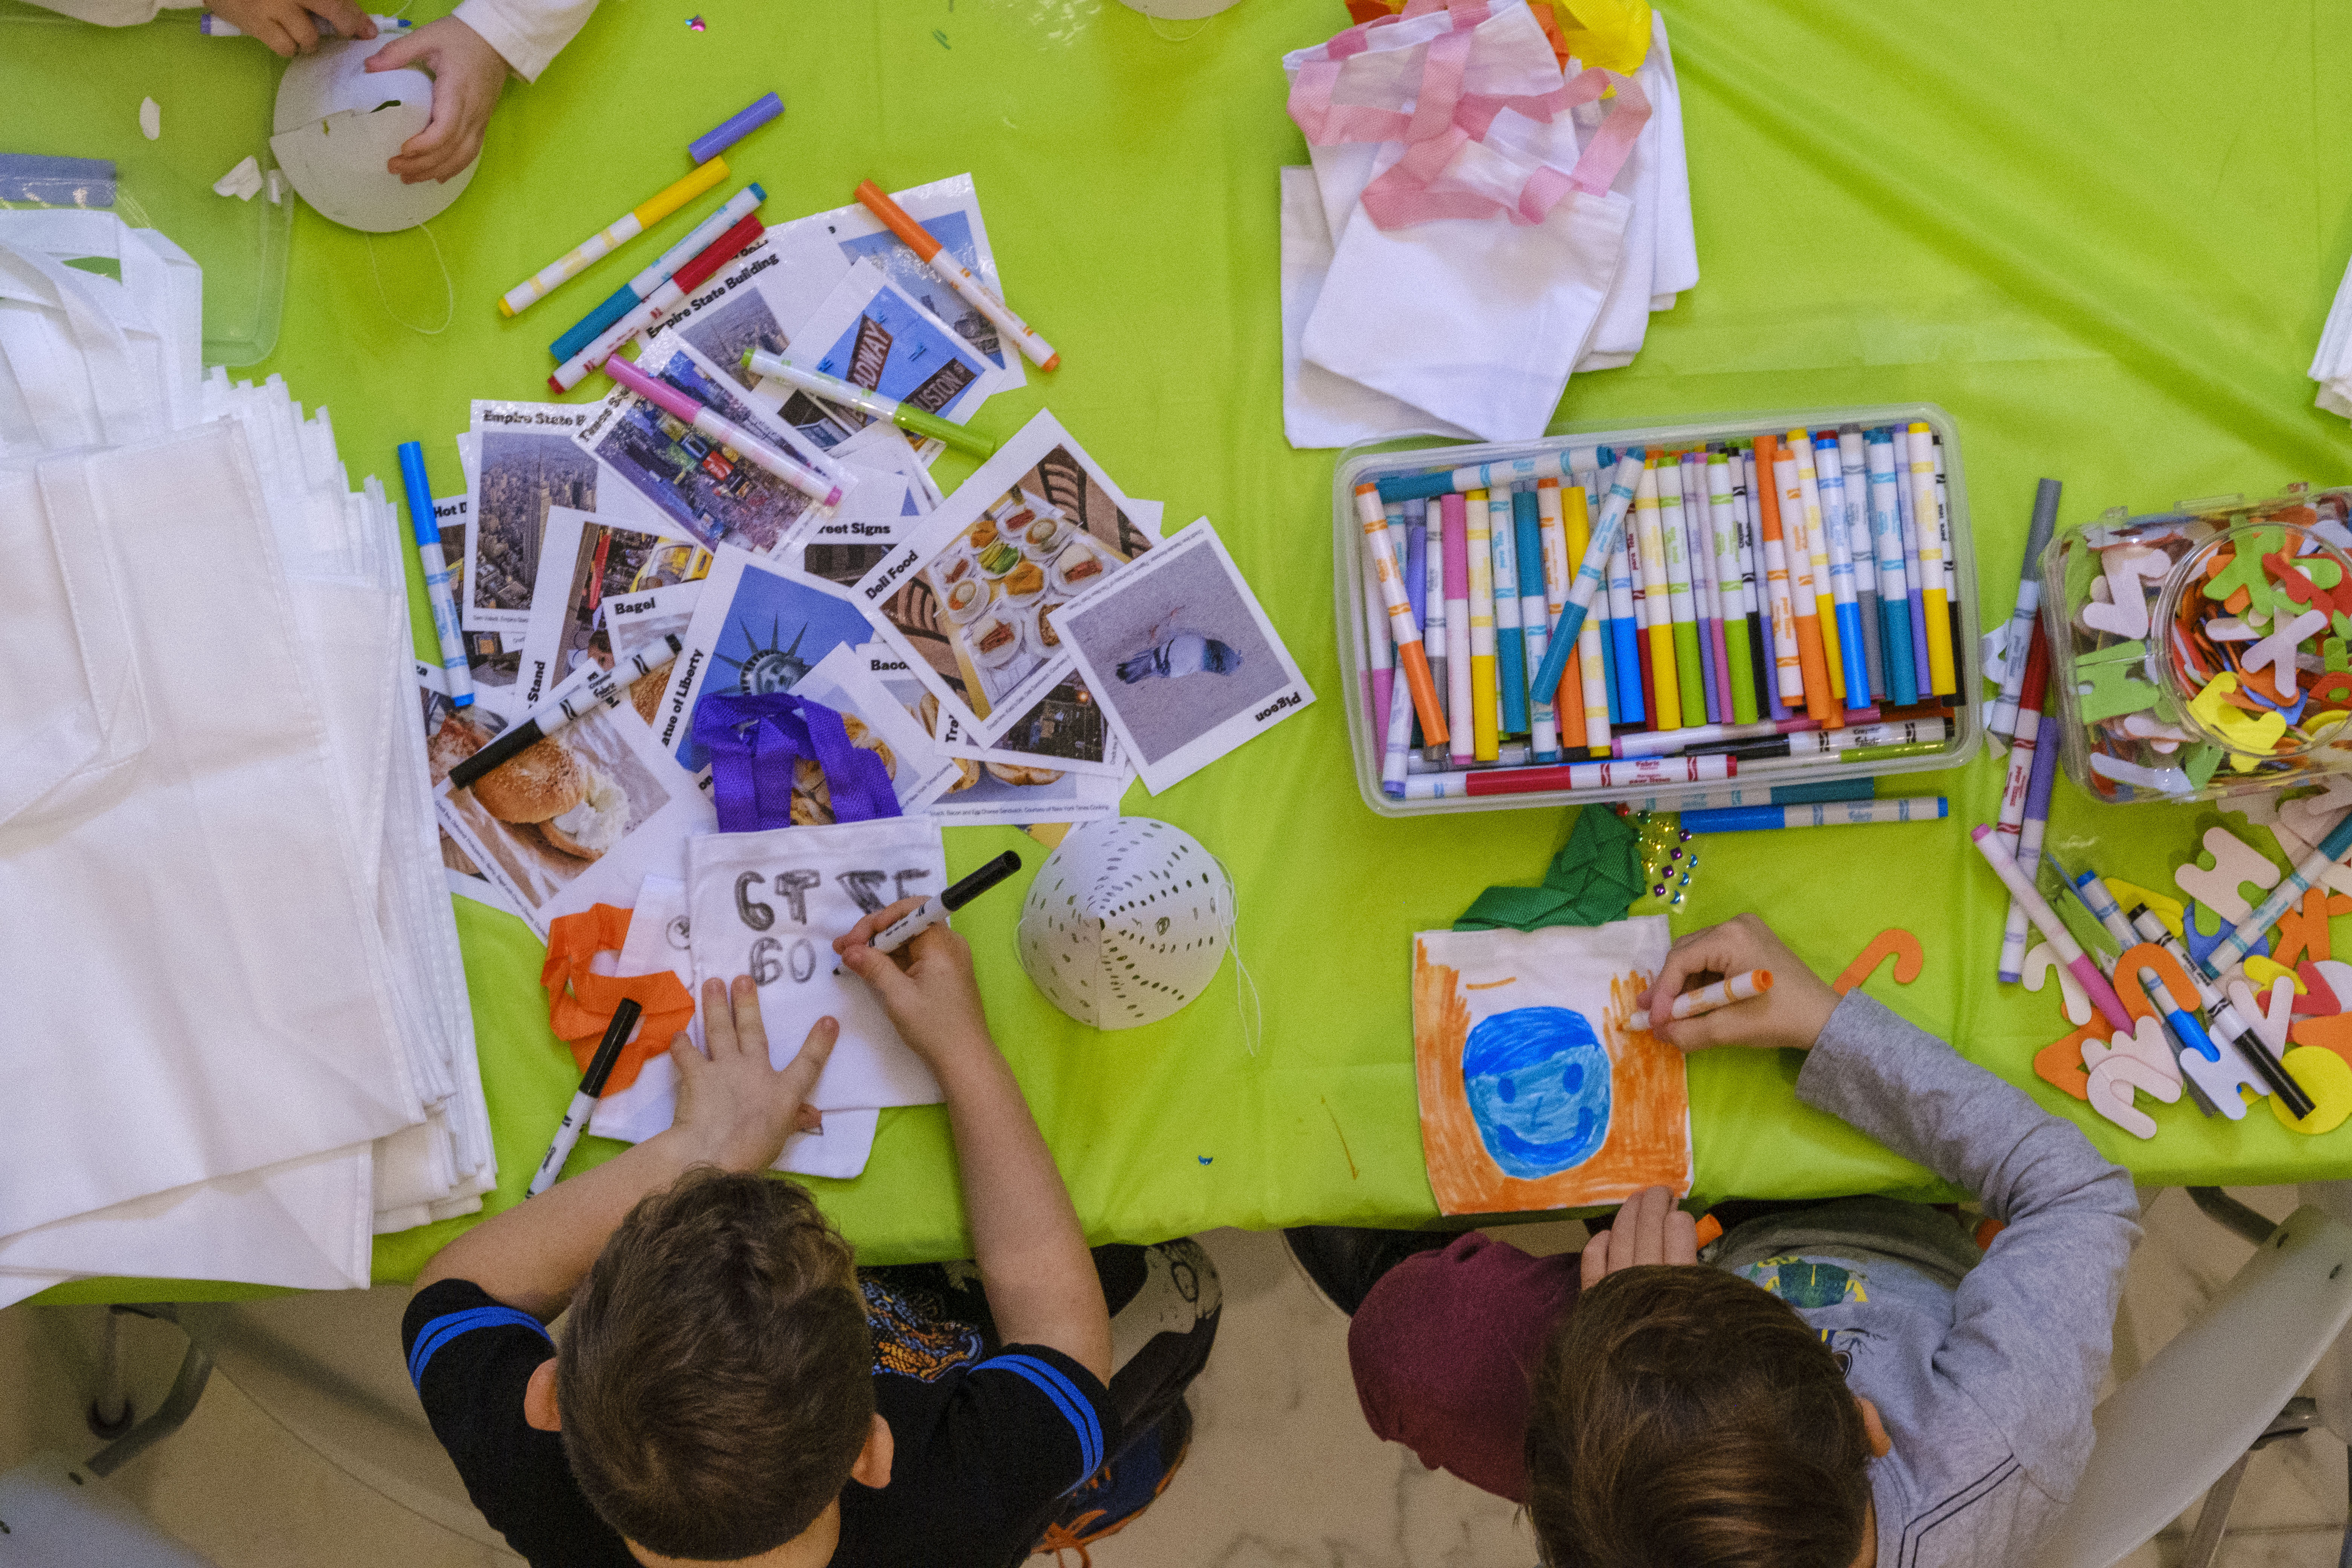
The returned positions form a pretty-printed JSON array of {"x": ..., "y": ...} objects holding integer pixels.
[
  {"x": 1684, "y": 1418},
  {"x": 716, "y": 1381}
]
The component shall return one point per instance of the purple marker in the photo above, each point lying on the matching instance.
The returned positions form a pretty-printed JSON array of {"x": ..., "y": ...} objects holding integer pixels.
[{"x": 733, "y": 129}]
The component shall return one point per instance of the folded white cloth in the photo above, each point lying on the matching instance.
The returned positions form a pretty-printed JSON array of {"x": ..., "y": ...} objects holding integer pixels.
[{"x": 2332, "y": 365}]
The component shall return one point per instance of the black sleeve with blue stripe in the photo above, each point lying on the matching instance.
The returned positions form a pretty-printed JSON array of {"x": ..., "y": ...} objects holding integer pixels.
[
  {"x": 470, "y": 1358},
  {"x": 985, "y": 1455}
]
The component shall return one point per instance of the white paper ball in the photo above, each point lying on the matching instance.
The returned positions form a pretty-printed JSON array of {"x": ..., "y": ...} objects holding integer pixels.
[{"x": 1125, "y": 922}]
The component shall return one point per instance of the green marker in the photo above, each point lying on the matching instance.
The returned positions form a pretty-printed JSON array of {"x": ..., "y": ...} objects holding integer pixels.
[
  {"x": 1729, "y": 572},
  {"x": 833, "y": 389}
]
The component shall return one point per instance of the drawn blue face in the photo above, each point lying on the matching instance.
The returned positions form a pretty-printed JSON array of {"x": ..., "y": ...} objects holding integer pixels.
[{"x": 1538, "y": 1080}]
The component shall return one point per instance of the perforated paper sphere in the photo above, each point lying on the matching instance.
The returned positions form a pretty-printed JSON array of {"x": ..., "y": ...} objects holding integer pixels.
[{"x": 1125, "y": 922}]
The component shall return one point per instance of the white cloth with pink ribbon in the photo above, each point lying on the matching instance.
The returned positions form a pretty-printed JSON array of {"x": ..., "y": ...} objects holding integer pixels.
[{"x": 1495, "y": 224}]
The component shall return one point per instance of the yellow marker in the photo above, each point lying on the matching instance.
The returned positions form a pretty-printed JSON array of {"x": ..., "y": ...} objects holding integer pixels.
[
  {"x": 603, "y": 242},
  {"x": 1924, "y": 512},
  {"x": 1806, "y": 501},
  {"x": 1665, "y": 688},
  {"x": 1485, "y": 742}
]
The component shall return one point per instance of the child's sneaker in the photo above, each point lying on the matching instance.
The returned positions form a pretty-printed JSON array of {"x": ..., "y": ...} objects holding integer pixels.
[{"x": 1116, "y": 1494}]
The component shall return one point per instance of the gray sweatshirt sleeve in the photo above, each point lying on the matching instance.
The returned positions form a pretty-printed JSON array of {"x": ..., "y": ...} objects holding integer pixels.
[{"x": 2033, "y": 1323}]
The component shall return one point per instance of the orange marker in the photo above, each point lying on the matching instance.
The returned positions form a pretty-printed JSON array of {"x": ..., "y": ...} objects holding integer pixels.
[
  {"x": 959, "y": 277},
  {"x": 1410, "y": 656},
  {"x": 1793, "y": 599}
]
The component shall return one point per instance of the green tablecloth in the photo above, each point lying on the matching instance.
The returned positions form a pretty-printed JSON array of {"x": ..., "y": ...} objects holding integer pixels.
[{"x": 2102, "y": 236}]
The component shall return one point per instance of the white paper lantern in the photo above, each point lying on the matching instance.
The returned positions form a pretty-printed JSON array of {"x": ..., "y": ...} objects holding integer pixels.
[{"x": 1125, "y": 922}]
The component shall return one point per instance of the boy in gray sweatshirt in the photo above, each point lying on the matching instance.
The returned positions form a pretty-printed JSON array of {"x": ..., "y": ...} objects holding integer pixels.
[{"x": 1838, "y": 1385}]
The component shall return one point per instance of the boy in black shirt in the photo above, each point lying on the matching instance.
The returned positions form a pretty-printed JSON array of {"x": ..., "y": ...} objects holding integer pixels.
[{"x": 718, "y": 1396}]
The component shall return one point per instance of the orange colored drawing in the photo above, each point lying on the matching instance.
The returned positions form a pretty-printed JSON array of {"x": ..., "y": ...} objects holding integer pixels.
[
  {"x": 2058, "y": 1064},
  {"x": 1894, "y": 940},
  {"x": 1647, "y": 1142}
]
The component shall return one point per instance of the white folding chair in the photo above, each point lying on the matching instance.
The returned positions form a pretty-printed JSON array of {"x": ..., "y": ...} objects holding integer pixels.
[{"x": 2223, "y": 1386}]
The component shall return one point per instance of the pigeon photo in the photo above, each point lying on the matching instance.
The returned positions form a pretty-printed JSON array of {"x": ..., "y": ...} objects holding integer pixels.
[{"x": 1184, "y": 663}]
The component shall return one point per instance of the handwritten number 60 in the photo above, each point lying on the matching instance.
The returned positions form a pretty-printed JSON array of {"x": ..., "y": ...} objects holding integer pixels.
[{"x": 771, "y": 960}]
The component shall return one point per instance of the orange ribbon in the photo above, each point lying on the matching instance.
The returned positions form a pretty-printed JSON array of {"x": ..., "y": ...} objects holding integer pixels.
[{"x": 579, "y": 1002}]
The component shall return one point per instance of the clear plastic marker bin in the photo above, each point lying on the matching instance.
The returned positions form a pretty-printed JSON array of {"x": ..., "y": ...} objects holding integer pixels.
[
  {"x": 1957, "y": 712},
  {"x": 2196, "y": 708}
]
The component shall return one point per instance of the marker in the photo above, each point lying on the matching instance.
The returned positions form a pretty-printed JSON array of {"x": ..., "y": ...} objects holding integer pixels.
[
  {"x": 579, "y": 694},
  {"x": 2315, "y": 866},
  {"x": 1566, "y": 698},
  {"x": 1649, "y": 533},
  {"x": 1527, "y": 527},
  {"x": 1845, "y": 593},
  {"x": 641, "y": 288},
  {"x": 1433, "y": 482},
  {"x": 2017, "y": 783},
  {"x": 1460, "y": 703},
  {"x": 1410, "y": 655},
  {"x": 1796, "y": 634},
  {"x": 1485, "y": 716},
  {"x": 734, "y": 128},
  {"x": 1894, "y": 593},
  {"x": 1722, "y": 993},
  {"x": 2100, "y": 899},
  {"x": 1591, "y": 661},
  {"x": 1380, "y": 638},
  {"x": 1951, "y": 557},
  {"x": 1856, "y": 756},
  {"x": 1933, "y": 586},
  {"x": 2226, "y": 1023},
  {"x": 957, "y": 277},
  {"x": 659, "y": 303},
  {"x": 1435, "y": 632},
  {"x": 1415, "y": 557},
  {"x": 1914, "y": 584},
  {"x": 1833, "y": 742},
  {"x": 2027, "y": 615},
  {"x": 1853, "y": 478},
  {"x": 1682, "y": 607},
  {"x": 1510, "y": 644},
  {"x": 437, "y": 591},
  {"x": 940, "y": 906},
  {"x": 1755, "y": 589},
  {"x": 212, "y": 26},
  {"x": 1731, "y": 578},
  {"x": 622, "y": 230},
  {"x": 2029, "y": 847},
  {"x": 1757, "y": 818},
  {"x": 583, "y": 1101},
  {"x": 1652, "y": 771},
  {"x": 1659, "y": 743},
  {"x": 1608, "y": 532},
  {"x": 1719, "y": 605},
  {"x": 2186, "y": 1030},
  {"x": 833, "y": 389},
  {"x": 1806, "y": 502},
  {"x": 1753, "y": 795},
  {"x": 2054, "y": 930},
  {"x": 791, "y": 470}
]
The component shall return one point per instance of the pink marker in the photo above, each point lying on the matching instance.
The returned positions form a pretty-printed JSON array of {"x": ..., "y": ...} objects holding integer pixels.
[
  {"x": 671, "y": 401},
  {"x": 2054, "y": 930}
]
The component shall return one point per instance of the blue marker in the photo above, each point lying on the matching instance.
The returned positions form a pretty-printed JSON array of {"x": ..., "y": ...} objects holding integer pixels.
[
  {"x": 1608, "y": 532},
  {"x": 638, "y": 289},
  {"x": 1756, "y": 818},
  {"x": 1527, "y": 527},
  {"x": 1846, "y": 574},
  {"x": 1488, "y": 477},
  {"x": 1894, "y": 590},
  {"x": 1914, "y": 582},
  {"x": 437, "y": 592},
  {"x": 1510, "y": 644}
]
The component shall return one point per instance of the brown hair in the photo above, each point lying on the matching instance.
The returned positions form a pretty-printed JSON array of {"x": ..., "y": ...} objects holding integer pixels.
[
  {"x": 1685, "y": 1418},
  {"x": 716, "y": 1379}
]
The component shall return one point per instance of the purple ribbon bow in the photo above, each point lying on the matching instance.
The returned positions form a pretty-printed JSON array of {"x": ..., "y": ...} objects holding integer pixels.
[{"x": 754, "y": 743}]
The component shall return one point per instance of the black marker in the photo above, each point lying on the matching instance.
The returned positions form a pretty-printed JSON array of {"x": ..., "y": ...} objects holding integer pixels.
[
  {"x": 583, "y": 1103},
  {"x": 940, "y": 906},
  {"x": 587, "y": 690}
]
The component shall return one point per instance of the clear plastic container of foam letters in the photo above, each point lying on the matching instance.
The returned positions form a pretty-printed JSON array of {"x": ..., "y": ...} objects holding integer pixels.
[{"x": 1372, "y": 462}]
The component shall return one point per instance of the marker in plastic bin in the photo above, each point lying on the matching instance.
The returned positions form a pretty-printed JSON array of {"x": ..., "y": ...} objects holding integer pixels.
[
  {"x": 1805, "y": 503},
  {"x": 1681, "y": 610},
  {"x": 1894, "y": 593},
  {"x": 1717, "y": 604},
  {"x": 1756, "y": 588},
  {"x": 2029, "y": 849},
  {"x": 957, "y": 276},
  {"x": 1527, "y": 527},
  {"x": 2027, "y": 617},
  {"x": 1951, "y": 560},
  {"x": 611, "y": 236},
  {"x": 641, "y": 288},
  {"x": 1416, "y": 589},
  {"x": 2054, "y": 930},
  {"x": 1510, "y": 646},
  {"x": 1591, "y": 657},
  {"x": 1651, "y": 771},
  {"x": 1592, "y": 571},
  {"x": 1912, "y": 581},
  {"x": 1853, "y": 757},
  {"x": 1845, "y": 597},
  {"x": 426, "y": 529},
  {"x": 1380, "y": 642},
  {"x": 1486, "y": 693},
  {"x": 1722, "y": 993},
  {"x": 817, "y": 486},
  {"x": 1926, "y": 511},
  {"x": 1410, "y": 656},
  {"x": 1501, "y": 475},
  {"x": 1796, "y": 632},
  {"x": 1853, "y": 478},
  {"x": 1662, "y": 742},
  {"x": 658, "y": 305},
  {"x": 849, "y": 395},
  {"x": 735, "y": 127},
  {"x": 1658, "y": 642},
  {"x": 2313, "y": 867},
  {"x": 1834, "y": 742},
  {"x": 1435, "y": 632},
  {"x": 1568, "y": 698},
  {"x": 1461, "y": 700},
  {"x": 1733, "y": 582},
  {"x": 1853, "y": 814}
]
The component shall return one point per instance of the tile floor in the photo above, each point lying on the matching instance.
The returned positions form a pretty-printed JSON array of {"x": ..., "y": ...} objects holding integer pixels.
[{"x": 1282, "y": 1472}]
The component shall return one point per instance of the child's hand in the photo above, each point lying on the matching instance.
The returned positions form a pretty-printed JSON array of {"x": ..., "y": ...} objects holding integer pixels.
[
  {"x": 734, "y": 1110},
  {"x": 289, "y": 27},
  {"x": 1648, "y": 1229},
  {"x": 1793, "y": 1013},
  {"x": 466, "y": 76},
  {"x": 927, "y": 986}
]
